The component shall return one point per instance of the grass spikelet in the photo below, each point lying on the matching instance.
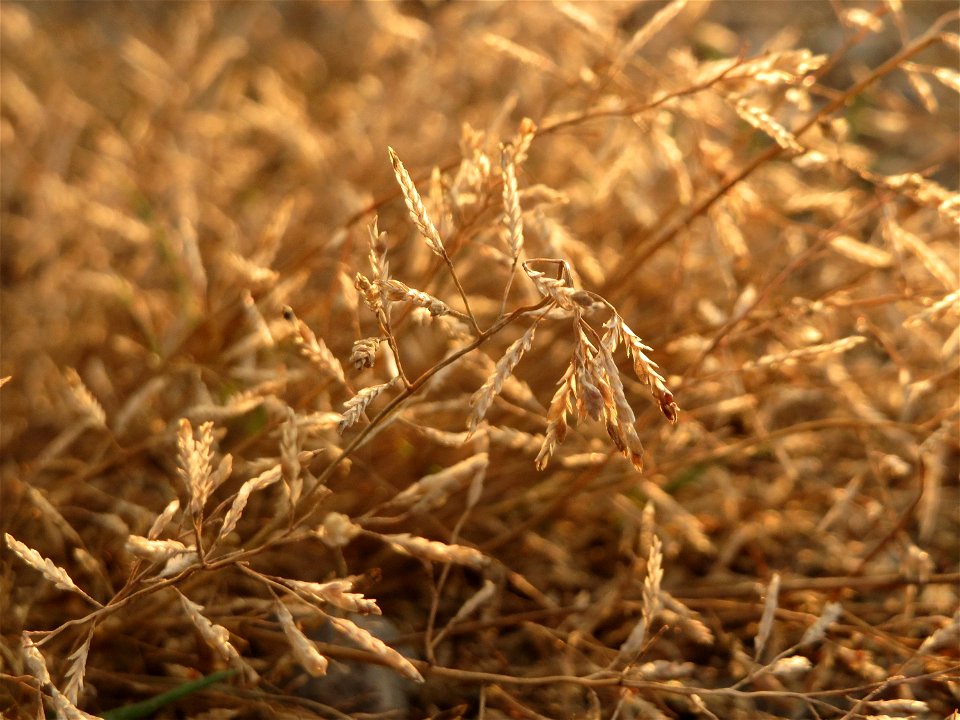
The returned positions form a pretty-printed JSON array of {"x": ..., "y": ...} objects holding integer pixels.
[
  {"x": 816, "y": 632},
  {"x": 155, "y": 550},
  {"x": 514, "y": 439},
  {"x": 84, "y": 400},
  {"x": 64, "y": 706},
  {"x": 651, "y": 585},
  {"x": 662, "y": 670},
  {"x": 33, "y": 659},
  {"x": 521, "y": 144},
  {"x": 163, "y": 519},
  {"x": 435, "y": 551},
  {"x": 396, "y": 291},
  {"x": 899, "y": 706},
  {"x": 52, "y": 572},
  {"x": 642, "y": 36},
  {"x": 313, "y": 348},
  {"x": 582, "y": 19},
  {"x": 136, "y": 404},
  {"x": 260, "y": 327},
  {"x": 269, "y": 241},
  {"x": 443, "y": 437},
  {"x": 480, "y": 598},
  {"x": 651, "y": 601},
  {"x": 364, "y": 352},
  {"x": 357, "y": 405},
  {"x": 336, "y": 593},
  {"x": 559, "y": 290},
  {"x": 727, "y": 230},
  {"x": 235, "y": 407},
  {"x": 860, "y": 18},
  {"x": 949, "y": 302},
  {"x": 512, "y": 216},
  {"x": 807, "y": 353},
  {"x": 67, "y": 709},
  {"x": 673, "y": 157},
  {"x": 315, "y": 423},
  {"x": 795, "y": 63},
  {"x": 948, "y": 635},
  {"x": 432, "y": 490},
  {"x": 250, "y": 272},
  {"x": 304, "y": 650},
  {"x": 766, "y": 619},
  {"x": 35, "y": 663},
  {"x": 923, "y": 90},
  {"x": 378, "y": 253},
  {"x": 930, "y": 260},
  {"x": 949, "y": 77},
  {"x": 372, "y": 644},
  {"x": 179, "y": 562},
  {"x": 195, "y": 455},
  {"x": 560, "y": 406},
  {"x": 476, "y": 601},
  {"x": 540, "y": 197},
  {"x": 215, "y": 636},
  {"x": 524, "y": 55},
  {"x": 76, "y": 670},
  {"x": 415, "y": 205},
  {"x": 861, "y": 252},
  {"x": 51, "y": 514},
  {"x": 261, "y": 481},
  {"x": 623, "y": 417},
  {"x": 950, "y": 209},
  {"x": 645, "y": 369},
  {"x": 765, "y": 122},
  {"x": 789, "y": 666},
  {"x": 483, "y": 398},
  {"x": 290, "y": 452}
]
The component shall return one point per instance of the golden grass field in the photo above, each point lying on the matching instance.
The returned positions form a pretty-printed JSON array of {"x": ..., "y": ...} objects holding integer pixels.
[{"x": 480, "y": 359}]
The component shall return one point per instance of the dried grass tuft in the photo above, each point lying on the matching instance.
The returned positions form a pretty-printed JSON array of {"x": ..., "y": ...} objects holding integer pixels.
[{"x": 446, "y": 450}]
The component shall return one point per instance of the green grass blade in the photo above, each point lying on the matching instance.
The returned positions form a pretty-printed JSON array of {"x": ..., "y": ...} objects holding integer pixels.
[{"x": 148, "y": 707}]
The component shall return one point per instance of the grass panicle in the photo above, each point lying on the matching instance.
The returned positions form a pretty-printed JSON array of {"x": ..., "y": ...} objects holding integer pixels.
[{"x": 293, "y": 416}]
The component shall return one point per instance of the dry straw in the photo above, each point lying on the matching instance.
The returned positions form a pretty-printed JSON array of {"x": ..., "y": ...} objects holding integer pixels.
[{"x": 794, "y": 264}]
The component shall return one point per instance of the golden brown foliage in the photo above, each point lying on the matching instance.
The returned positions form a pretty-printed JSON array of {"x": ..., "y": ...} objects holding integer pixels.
[{"x": 564, "y": 359}]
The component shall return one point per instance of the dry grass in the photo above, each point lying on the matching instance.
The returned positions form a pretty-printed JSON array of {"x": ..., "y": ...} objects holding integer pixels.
[{"x": 377, "y": 429}]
